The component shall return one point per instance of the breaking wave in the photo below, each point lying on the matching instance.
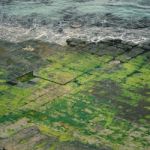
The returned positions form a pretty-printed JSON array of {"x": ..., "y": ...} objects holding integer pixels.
[{"x": 57, "y": 20}]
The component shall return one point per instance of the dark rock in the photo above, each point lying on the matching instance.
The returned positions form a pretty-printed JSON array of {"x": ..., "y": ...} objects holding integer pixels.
[
  {"x": 12, "y": 82},
  {"x": 146, "y": 45},
  {"x": 73, "y": 42},
  {"x": 91, "y": 48},
  {"x": 134, "y": 52},
  {"x": 2, "y": 148},
  {"x": 111, "y": 47},
  {"x": 60, "y": 30},
  {"x": 76, "y": 24},
  {"x": 127, "y": 45},
  {"x": 111, "y": 42}
]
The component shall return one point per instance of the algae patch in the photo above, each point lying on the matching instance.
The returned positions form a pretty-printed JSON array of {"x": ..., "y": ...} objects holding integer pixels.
[{"x": 81, "y": 96}]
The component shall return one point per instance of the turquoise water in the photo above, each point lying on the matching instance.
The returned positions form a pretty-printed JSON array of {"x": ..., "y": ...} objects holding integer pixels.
[
  {"x": 55, "y": 8},
  {"x": 55, "y": 14}
]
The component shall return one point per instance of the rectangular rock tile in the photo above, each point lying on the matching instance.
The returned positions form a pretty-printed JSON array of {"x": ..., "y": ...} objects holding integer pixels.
[
  {"x": 130, "y": 54},
  {"x": 111, "y": 50},
  {"x": 88, "y": 62},
  {"x": 13, "y": 97},
  {"x": 47, "y": 97},
  {"x": 59, "y": 76}
]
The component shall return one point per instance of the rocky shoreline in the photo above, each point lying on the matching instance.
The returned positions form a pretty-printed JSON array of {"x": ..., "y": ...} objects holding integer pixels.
[
  {"x": 74, "y": 75},
  {"x": 12, "y": 54},
  {"x": 80, "y": 96}
]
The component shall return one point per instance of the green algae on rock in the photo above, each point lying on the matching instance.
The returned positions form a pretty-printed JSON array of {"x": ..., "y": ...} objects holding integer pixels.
[{"x": 80, "y": 96}]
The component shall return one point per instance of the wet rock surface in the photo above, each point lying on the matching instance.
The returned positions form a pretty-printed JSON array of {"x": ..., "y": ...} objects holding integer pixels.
[
  {"x": 113, "y": 47},
  {"x": 82, "y": 96},
  {"x": 24, "y": 57}
]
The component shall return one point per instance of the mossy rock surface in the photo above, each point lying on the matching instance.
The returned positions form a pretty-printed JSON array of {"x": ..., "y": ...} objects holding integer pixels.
[{"x": 83, "y": 96}]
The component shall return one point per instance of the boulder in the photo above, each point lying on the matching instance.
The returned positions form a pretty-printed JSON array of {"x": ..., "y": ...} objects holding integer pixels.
[{"x": 73, "y": 42}]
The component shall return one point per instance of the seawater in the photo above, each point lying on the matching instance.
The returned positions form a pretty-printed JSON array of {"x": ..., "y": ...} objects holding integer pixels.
[{"x": 51, "y": 20}]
